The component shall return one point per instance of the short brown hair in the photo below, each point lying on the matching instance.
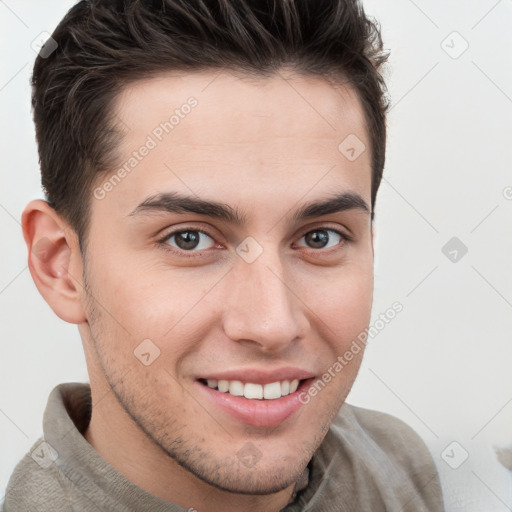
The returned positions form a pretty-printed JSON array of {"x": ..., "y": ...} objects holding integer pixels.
[{"x": 105, "y": 44}]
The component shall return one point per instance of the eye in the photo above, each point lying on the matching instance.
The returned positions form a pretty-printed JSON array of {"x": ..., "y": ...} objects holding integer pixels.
[
  {"x": 322, "y": 238},
  {"x": 190, "y": 239}
]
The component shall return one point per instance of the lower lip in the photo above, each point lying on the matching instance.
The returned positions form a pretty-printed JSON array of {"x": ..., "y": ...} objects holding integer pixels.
[{"x": 258, "y": 413}]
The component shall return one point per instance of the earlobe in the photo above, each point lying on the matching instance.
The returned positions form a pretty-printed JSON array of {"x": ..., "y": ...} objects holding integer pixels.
[{"x": 54, "y": 260}]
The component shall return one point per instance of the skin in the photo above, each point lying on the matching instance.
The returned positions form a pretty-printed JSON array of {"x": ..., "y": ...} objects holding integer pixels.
[{"x": 265, "y": 147}]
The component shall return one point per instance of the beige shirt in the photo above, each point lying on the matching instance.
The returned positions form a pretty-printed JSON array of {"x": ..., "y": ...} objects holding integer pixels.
[{"x": 368, "y": 461}]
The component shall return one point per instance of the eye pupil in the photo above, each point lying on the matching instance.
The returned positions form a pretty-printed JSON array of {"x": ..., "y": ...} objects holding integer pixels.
[
  {"x": 317, "y": 239},
  {"x": 187, "y": 239}
]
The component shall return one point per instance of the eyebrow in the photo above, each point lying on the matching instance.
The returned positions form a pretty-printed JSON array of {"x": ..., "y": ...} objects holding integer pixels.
[{"x": 173, "y": 202}]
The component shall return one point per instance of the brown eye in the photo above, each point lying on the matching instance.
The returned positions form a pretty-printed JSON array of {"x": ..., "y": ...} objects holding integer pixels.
[
  {"x": 190, "y": 239},
  {"x": 322, "y": 238}
]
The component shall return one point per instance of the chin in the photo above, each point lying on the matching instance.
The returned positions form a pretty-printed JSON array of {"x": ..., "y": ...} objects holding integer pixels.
[
  {"x": 262, "y": 481},
  {"x": 246, "y": 470}
]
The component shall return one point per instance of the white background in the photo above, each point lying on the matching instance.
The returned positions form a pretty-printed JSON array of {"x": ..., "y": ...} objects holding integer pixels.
[{"x": 444, "y": 363}]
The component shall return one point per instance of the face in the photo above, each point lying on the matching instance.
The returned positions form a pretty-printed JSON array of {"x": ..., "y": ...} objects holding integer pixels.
[{"x": 229, "y": 266}]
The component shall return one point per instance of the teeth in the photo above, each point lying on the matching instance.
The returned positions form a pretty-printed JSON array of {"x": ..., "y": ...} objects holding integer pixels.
[
  {"x": 223, "y": 386},
  {"x": 272, "y": 391},
  {"x": 236, "y": 388},
  {"x": 253, "y": 391}
]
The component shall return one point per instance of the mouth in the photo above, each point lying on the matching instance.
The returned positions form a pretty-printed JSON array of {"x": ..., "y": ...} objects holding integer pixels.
[
  {"x": 252, "y": 390},
  {"x": 266, "y": 403}
]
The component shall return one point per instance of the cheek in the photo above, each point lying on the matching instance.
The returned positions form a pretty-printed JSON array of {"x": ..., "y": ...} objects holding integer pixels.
[
  {"x": 146, "y": 301},
  {"x": 344, "y": 301}
]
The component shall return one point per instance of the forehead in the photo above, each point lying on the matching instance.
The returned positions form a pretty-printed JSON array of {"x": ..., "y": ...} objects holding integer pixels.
[
  {"x": 215, "y": 133},
  {"x": 293, "y": 106}
]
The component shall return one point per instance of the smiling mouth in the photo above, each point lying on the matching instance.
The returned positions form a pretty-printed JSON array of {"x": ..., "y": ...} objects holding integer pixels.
[{"x": 253, "y": 391}]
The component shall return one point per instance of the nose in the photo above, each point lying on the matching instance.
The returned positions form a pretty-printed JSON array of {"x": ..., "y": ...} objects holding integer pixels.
[{"x": 263, "y": 309}]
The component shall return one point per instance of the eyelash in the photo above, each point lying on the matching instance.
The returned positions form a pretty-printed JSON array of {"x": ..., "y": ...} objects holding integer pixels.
[{"x": 195, "y": 254}]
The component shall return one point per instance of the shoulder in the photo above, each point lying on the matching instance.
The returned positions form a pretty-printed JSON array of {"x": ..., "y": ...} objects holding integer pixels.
[
  {"x": 390, "y": 433},
  {"x": 34, "y": 487},
  {"x": 390, "y": 454},
  {"x": 384, "y": 434}
]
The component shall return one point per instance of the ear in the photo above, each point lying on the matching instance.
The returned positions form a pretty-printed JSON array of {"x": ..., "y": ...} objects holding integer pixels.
[{"x": 54, "y": 260}]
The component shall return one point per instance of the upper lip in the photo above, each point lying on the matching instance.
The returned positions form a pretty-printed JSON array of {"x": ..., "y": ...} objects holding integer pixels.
[{"x": 260, "y": 376}]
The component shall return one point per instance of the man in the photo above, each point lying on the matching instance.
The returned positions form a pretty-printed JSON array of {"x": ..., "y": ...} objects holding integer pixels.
[{"x": 211, "y": 171}]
